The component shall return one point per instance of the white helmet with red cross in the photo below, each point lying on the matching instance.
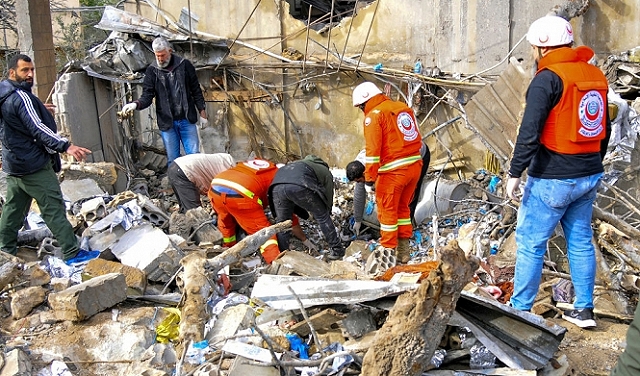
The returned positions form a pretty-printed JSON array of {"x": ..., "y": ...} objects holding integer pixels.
[
  {"x": 550, "y": 31},
  {"x": 364, "y": 92}
]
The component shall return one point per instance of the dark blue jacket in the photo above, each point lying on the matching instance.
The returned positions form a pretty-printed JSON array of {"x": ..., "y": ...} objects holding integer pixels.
[
  {"x": 28, "y": 131},
  {"x": 176, "y": 90}
]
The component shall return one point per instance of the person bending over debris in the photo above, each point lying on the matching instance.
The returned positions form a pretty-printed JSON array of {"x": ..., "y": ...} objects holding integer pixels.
[
  {"x": 190, "y": 176},
  {"x": 239, "y": 196},
  {"x": 303, "y": 187},
  {"x": 393, "y": 162},
  {"x": 30, "y": 147},
  {"x": 172, "y": 81},
  {"x": 355, "y": 172},
  {"x": 562, "y": 141}
]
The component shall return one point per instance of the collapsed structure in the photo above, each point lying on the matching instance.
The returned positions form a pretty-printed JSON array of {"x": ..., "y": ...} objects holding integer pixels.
[{"x": 412, "y": 320}]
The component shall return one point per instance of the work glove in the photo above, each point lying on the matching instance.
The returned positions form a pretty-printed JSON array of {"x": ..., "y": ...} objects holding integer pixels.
[
  {"x": 369, "y": 187},
  {"x": 356, "y": 228},
  {"x": 307, "y": 243},
  {"x": 129, "y": 107},
  {"x": 203, "y": 122}
]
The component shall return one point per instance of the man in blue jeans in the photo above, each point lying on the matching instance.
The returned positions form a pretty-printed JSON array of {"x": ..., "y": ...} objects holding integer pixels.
[
  {"x": 562, "y": 141},
  {"x": 172, "y": 81}
]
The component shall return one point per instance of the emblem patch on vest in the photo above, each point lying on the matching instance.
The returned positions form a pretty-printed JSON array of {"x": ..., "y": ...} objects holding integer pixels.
[
  {"x": 591, "y": 113},
  {"x": 407, "y": 126},
  {"x": 367, "y": 121}
]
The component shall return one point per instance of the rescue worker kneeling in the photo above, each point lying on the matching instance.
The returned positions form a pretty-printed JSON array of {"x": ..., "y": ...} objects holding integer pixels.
[{"x": 239, "y": 196}]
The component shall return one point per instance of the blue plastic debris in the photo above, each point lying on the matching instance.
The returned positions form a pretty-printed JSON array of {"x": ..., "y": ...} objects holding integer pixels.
[
  {"x": 493, "y": 183},
  {"x": 297, "y": 344},
  {"x": 377, "y": 68}
]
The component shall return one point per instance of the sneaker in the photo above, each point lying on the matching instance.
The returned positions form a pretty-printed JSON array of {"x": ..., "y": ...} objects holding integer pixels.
[
  {"x": 82, "y": 256},
  {"x": 581, "y": 317}
]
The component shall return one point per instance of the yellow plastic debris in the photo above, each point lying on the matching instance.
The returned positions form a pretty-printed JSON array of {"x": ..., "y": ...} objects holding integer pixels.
[{"x": 168, "y": 330}]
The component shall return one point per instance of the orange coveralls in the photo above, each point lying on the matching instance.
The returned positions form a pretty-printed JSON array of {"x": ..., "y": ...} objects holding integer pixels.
[
  {"x": 393, "y": 162},
  {"x": 239, "y": 196}
]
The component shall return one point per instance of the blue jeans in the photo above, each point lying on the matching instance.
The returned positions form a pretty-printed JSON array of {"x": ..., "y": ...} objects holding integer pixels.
[
  {"x": 545, "y": 203},
  {"x": 184, "y": 132}
]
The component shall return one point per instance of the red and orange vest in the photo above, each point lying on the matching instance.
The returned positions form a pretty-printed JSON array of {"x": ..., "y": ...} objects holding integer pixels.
[{"x": 577, "y": 124}]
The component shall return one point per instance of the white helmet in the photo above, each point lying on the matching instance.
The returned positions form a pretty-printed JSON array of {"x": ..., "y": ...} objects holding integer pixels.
[
  {"x": 550, "y": 31},
  {"x": 364, "y": 92}
]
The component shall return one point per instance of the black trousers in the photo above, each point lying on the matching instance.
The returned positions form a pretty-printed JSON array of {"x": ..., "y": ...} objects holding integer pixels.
[{"x": 287, "y": 196}]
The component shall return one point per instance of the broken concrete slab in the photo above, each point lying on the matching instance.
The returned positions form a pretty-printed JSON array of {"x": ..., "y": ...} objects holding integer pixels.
[
  {"x": 82, "y": 301},
  {"x": 229, "y": 322},
  {"x": 74, "y": 190},
  {"x": 16, "y": 363},
  {"x": 23, "y": 301},
  {"x": 135, "y": 278},
  {"x": 359, "y": 322},
  {"x": 241, "y": 367},
  {"x": 274, "y": 291},
  {"x": 150, "y": 250},
  {"x": 299, "y": 263}
]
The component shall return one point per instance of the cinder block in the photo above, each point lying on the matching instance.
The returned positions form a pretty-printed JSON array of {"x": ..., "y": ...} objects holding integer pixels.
[
  {"x": 82, "y": 301},
  {"x": 135, "y": 278}
]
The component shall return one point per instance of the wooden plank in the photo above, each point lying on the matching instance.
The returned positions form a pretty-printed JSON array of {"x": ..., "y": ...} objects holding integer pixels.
[{"x": 321, "y": 320}]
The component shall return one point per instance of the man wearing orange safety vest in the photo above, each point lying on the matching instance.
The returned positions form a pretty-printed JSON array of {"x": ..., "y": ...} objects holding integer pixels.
[
  {"x": 239, "y": 196},
  {"x": 393, "y": 162},
  {"x": 561, "y": 142}
]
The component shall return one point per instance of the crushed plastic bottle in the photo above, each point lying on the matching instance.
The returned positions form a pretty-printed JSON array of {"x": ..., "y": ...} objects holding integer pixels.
[{"x": 481, "y": 358}]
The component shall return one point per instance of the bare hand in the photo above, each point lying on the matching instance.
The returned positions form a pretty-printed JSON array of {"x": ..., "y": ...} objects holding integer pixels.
[
  {"x": 78, "y": 152},
  {"x": 513, "y": 188},
  {"x": 51, "y": 108}
]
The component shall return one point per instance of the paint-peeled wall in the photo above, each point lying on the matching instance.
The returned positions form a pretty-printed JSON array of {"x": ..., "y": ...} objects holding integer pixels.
[{"x": 460, "y": 37}]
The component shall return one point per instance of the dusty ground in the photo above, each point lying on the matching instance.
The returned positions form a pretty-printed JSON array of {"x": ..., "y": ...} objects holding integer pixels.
[
  {"x": 593, "y": 352},
  {"x": 590, "y": 352}
]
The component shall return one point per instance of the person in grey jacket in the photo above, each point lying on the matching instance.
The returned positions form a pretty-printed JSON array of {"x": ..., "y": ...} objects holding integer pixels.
[
  {"x": 30, "y": 147},
  {"x": 172, "y": 81},
  {"x": 303, "y": 187}
]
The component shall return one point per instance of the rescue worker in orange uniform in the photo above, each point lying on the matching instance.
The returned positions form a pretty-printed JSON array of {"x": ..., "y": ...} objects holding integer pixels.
[
  {"x": 239, "y": 196},
  {"x": 393, "y": 163}
]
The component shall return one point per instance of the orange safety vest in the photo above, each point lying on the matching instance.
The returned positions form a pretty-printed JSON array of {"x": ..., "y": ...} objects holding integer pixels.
[
  {"x": 577, "y": 124},
  {"x": 250, "y": 178},
  {"x": 392, "y": 136}
]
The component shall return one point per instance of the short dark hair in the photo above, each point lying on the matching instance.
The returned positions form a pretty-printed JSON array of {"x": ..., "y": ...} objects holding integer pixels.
[
  {"x": 13, "y": 62},
  {"x": 355, "y": 170}
]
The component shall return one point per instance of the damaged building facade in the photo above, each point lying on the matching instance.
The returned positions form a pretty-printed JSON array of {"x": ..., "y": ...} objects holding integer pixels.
[{"x": 278, "y": 77}]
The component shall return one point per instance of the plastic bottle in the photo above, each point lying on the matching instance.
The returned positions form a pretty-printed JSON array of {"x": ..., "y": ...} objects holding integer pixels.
[{"x": 417, "y": 68}]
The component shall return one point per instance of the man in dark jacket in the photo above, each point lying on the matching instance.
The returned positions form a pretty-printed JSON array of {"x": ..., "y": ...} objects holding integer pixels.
[
  {"x": 172, "y": 81},
  {"x": 30, "y": 147},
  {"x": 303, "y": 187}
]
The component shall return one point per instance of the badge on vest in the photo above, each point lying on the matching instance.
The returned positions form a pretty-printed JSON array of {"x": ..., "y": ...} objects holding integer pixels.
[
  {"x": 407, "y": 126},
  {"x": 591, "y": 112}
]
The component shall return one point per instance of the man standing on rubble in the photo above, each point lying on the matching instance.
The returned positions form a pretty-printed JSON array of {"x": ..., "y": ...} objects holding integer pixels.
[
  {"x": 355, "y": 172},
  {"x": 30, "y": 147},
  {"x": 239, "y": 196},
  {"x": 562, "y": 141},
  {"x": 393, "y": 163},
  {"x": 303, "y": 187},
  {"x": 190, "y": 176},
  {"x": 172, "y": 81}
]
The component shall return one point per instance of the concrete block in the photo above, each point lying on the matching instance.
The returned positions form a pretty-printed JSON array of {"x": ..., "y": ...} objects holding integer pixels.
[
  {"x": 59, "y": 284},
  {"x": 148, "y": 249},
  {"x": 23, "y": 301},
  {"x": 74, "y": 190},
  {"x": 359, "y": 322},
  {"x": 135, "y": 278},
  {"x": 82, "y": 301},
  {"x": 300, "y": 263},
  {"x": 380, "y": 260},
  {"x": 229, "y": 322},
  {"x": 16, "y": 363}
]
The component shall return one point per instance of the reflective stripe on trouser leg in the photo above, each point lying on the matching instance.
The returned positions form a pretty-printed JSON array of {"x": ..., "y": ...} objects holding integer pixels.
[
  {"x": 394, "y": 191},
  {"x": 226, "y": 222}
]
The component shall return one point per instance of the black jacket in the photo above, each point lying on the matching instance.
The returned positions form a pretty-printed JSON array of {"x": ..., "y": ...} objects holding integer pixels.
[
  {"x": 28, "y": 131},
  {"x": 176, "y": 90},
  {"x": 312, "y": 173}
]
